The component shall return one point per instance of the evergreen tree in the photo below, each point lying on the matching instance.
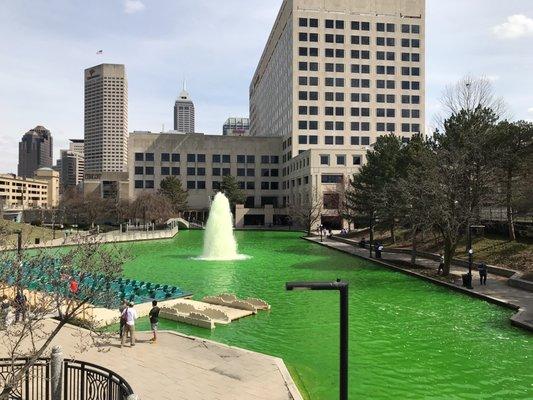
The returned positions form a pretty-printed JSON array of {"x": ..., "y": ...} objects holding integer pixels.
[
  {"x": 230, "y": 188},
  {"x": 172, "y": 189}
]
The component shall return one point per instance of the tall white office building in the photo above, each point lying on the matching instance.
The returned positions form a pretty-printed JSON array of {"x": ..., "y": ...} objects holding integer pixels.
[
  {"x": 106, "y": 119},
  {"x": 335, "y": 75}
]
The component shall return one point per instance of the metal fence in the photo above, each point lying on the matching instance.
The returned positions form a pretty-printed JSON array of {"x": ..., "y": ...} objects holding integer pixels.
[{"x": 75, "y": 380}]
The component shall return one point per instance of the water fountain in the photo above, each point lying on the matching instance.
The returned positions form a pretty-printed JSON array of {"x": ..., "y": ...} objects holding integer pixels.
[{"x": 219, "y": 241}]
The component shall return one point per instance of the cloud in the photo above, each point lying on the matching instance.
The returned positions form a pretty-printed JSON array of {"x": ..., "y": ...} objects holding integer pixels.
[
  {"x": 133, "y": 6},
  {"x": 515, "y": 27},
  {"x": 530, "y": 110}
]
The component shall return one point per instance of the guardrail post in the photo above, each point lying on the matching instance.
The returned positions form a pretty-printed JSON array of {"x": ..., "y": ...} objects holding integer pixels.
[{"x": 56, "y": 372}]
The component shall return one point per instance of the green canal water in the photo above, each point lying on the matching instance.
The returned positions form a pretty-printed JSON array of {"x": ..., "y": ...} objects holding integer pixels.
[{"x": 408, "y": 339}]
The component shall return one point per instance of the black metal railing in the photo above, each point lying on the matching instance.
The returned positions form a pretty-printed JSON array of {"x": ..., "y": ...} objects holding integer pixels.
[{"x": 80, "y": 381}]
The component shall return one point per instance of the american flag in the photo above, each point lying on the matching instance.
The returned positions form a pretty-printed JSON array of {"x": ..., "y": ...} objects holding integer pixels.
[{"x": 99, "y": 52}]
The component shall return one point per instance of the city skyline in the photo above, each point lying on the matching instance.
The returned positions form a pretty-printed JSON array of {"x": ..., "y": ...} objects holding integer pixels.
[{"x": 219, "y": 85}]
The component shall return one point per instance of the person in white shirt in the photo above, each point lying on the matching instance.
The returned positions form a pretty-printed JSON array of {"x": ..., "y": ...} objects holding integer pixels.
[{"x": 129, "y": 315}]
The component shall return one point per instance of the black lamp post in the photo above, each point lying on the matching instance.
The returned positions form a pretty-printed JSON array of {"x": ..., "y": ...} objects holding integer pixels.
[{"x": 342, "y": 287}]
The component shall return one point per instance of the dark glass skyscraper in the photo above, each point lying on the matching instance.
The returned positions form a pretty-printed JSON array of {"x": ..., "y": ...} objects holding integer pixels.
[{"x": 35, "y": 151}]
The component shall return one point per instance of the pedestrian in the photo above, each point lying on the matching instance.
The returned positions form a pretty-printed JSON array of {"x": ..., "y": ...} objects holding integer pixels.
[
  {"x": 4, "y": 311},
  {"x": 154, "y": 319},
  {"x": 20, "y": 306},
  {"x": 121, "y": 309},
  {"x": 73, "y": 286},
  {"x": 380, "y": 250},
  {"x": 130, "y": 315},
  {"x": 441, "y": 264},
  {"x": 482, "y": 269}
]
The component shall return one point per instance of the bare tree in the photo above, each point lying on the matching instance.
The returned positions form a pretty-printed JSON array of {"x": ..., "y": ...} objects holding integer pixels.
[
  {"x": 44, "y": 284},
  {"x": 471, "y": 93},
  {"x": 308, "y": 212},
  {"x": 150, "y": 206}
]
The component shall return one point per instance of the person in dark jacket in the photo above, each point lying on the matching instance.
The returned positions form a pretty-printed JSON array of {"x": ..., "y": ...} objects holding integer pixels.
[{"x": 482, "y": 269}]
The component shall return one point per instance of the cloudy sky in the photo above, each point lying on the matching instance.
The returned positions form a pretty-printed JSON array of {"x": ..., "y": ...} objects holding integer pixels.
[{"x": 215, "y": 46}]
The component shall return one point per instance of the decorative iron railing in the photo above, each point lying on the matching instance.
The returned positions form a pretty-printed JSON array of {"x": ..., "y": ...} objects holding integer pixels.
[{"x": 77, "y": 380}]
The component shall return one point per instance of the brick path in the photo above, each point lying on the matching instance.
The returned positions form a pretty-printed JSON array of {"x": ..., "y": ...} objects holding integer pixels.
[{"x": 496, "y": 290}]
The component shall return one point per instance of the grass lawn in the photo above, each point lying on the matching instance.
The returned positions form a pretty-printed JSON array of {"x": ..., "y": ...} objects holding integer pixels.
[
  {"x": 491, "y": 248},
  {"x": 29, "y": 233}
]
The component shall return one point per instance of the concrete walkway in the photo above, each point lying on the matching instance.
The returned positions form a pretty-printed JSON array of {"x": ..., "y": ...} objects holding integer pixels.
[
  {"x": 182, "y": 367},
  {"x": 496, "y": 291}
]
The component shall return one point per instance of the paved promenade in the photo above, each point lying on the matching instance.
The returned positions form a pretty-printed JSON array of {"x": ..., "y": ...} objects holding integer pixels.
[
  {"x": 180, "y": 367},
  {"x": 497, "y": 290}
]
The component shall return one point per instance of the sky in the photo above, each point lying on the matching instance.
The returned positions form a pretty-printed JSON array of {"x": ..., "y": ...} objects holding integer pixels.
[{"x": 215, "y": 46}]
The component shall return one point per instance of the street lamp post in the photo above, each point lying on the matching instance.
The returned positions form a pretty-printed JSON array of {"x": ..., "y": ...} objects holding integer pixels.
[{"x": 342, "y": 287}]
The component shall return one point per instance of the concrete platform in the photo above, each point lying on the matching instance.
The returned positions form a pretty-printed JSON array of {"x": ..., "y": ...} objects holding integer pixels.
[
  {"x": 182, "y": 367},
  {"x": 232, "y": 313}
]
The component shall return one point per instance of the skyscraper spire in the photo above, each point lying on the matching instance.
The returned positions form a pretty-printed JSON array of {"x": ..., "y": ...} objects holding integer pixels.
[{"x": 184, "y": 112}]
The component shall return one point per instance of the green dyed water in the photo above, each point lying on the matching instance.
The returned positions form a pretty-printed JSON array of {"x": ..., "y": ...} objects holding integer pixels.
[{"x": 408, "y": 338}]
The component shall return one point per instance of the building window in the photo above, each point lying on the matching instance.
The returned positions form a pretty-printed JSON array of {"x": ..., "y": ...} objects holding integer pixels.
[
  {"x": 165, "y": 171},
  {"x": 175, "y": 171},
  {"x": 165, "y": 157},
  {"x": 216, "y": 158},
  {"x": 139, "y": 171},
  {"x": 200, "y": 158},
  {"x": 200, "y": 185},
  {"x": 191, "y": 157},
  {"x": 149, "y": 184},
  {"x": 191, "y": 171},
  {"x": 241, "y": 172},
  {"x": 191, "y": 184},
  {"x": 175, "y": 157},
  {"x": 139, "y": 157},
  {"x": 149, "y": 170},
  {"x": 341, "y": 159},
  {"x": 226, "y": 158},
  {"x": 200, "y": 171},
  {"x": 250, "y": 185},
  {"x": 365, "y": 140},
  {"x": 241, "y": 159},
  {"x": 324, "y": 159},
  {"x": 139, "y": 184},
  {"x": 331, "y": 178},
  {"x": 149, "y": 156}
]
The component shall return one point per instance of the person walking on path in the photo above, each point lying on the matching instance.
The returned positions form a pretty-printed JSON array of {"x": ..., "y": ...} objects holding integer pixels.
[
  {"x": 441, "y": 265},
  {"x": 154, "y": 319},
  {"x": 20, "y": 306},
  {"x": 482, "y": 269},
  {"x": 130, "y": 315},
  {"x": 121, "y": 309}
]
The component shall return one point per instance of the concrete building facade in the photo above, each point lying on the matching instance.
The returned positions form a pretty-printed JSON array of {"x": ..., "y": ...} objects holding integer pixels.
[
  {"x": 201, "y": 161},
  {"x": 184, "y": 113},
  {"x": 335, "y": 75},
  {"x": 40, "y": 191},
  {"x": 106, "y": 119},
  {"x": 35, "y": 151}
]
